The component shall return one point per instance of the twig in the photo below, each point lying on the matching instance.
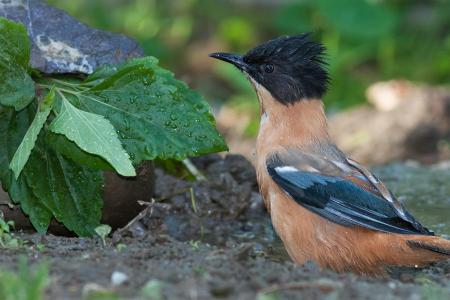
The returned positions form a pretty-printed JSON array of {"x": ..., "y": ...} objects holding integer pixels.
[
  {"x": 141, "y": 215},
  {"x": 149, "y": 208},
  {"x": 193, "y": 170}
]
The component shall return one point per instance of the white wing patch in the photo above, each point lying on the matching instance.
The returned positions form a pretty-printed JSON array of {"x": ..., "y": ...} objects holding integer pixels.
[{"x": 286, "y": 169}]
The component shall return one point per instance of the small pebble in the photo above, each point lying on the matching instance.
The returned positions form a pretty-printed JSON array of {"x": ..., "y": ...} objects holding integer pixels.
[
  {"x": 118, "y": 278},
  {"x": 137, "y": 230}
]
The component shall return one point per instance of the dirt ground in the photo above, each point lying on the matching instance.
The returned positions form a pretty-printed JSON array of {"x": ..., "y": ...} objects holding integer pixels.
[{"x": 209, "y": 240}]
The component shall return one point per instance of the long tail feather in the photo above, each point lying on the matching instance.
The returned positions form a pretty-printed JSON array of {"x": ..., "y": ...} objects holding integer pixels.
[{"x": 434, "y": 244}]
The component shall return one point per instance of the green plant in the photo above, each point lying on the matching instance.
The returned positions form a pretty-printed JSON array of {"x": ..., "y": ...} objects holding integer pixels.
[
  {"x": 40, "y": 247},
  {"x": 7, "y": 238},
  {"x": 152, "y": 290},
  {"x": 58, "y": 133},
  {"x": 103, "y": 231},
  {"x": 195, "y": 244},
  {"x": 27, "y": 284},
  {"x": 121, "y": 247}
]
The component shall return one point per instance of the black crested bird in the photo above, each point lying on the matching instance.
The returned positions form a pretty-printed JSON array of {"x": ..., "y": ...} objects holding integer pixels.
[{"x": 325, "y": 206}]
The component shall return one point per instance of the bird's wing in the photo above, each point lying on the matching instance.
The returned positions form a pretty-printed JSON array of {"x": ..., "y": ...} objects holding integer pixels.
[{"x": 343, "y": 192}]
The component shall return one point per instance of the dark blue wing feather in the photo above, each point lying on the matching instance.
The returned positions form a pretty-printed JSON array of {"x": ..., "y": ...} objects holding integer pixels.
[{"x": 341, "y": 201}]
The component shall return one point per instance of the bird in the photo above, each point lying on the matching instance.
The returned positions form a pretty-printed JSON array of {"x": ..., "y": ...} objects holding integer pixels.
[{"x": 325, "y": 207}]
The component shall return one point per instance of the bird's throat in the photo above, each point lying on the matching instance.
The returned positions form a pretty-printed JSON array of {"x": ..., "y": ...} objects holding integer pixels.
[{"x": 297, "y": 124}]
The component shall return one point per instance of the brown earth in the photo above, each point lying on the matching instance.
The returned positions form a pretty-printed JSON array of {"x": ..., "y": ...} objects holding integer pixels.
[{"x": 213, "y": 243}]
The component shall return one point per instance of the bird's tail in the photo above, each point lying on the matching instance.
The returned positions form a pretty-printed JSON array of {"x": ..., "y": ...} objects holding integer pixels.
[
  {"x": 421, "y": 250},
  {"x": 437, "y": 245}
]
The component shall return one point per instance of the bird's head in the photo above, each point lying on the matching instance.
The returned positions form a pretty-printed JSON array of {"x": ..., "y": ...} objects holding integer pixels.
[{"x": 291, "y": 68}]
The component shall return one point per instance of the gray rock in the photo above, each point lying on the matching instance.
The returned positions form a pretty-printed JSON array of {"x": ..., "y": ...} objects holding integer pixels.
[{"x": 61, "y": 44}]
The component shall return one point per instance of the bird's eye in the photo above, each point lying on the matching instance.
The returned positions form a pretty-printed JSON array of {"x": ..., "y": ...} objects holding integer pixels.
[{"x": 268, "y": 68}]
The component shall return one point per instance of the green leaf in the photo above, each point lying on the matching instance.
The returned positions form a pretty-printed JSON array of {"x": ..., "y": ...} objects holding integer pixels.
[
  {"x": 94, "y": 134},
  {"x": 13, "y": 126},
  {"x": 16, "y": 86},
  {"x": 14, "y": 41},
  {"x": 23, "y": 152},
  {"x": 21, "y": 193},
  {"x": 49, "y": 184},
  {"x": 70, "y": 191},
  {"x": 70, "y": 150},
  {"x": 103, "y": 231},
  {"x": 155, "y": 115}
]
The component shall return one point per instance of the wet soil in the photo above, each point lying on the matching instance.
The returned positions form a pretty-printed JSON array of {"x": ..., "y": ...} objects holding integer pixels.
[{"x": 213, "y": 240}]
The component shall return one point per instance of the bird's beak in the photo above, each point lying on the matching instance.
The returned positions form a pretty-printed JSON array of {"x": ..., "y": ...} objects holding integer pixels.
[{"x": 234, "y": 59}]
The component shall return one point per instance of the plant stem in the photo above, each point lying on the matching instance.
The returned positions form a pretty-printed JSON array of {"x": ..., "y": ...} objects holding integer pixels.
[
  {"x": 193, "y": 170},
  {"x": 64, "y": 82},
  {"x": 194, "y": 204},
  {"x": 59, "y": 89}
]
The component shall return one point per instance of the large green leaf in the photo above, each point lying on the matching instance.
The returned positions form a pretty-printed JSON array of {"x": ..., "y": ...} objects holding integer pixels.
[
  {"x": 20, "y": 192},
  {"x": 70, "y": 150},
  {"x": 16, "y": 86},
  {"x": 13, "y": 126},
  {"x": 70, "y": 191},
  {"x": 156, "y": 116},
  {"x": 49, "y": 184},
  {"x": 23, "y": 152},
  {"x": 94, "y": 134}
]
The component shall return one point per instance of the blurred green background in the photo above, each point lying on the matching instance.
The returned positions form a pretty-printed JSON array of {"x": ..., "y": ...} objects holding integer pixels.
[{"x": 367, "y": 40}]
